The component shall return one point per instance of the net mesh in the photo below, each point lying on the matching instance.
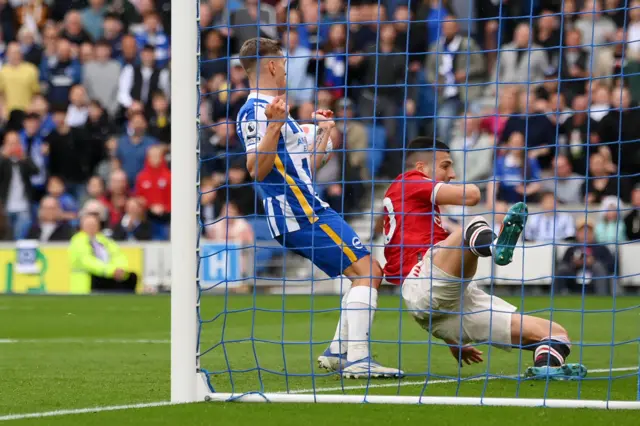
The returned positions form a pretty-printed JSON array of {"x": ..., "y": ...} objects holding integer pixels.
[{"x": 537, "y": 101}]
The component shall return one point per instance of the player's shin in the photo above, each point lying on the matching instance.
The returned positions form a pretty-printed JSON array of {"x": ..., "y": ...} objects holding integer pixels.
[
  {"x": 479, "y": 237},
  {"x": 339, "y": 342},
  {"x": 361, "y": 305}
]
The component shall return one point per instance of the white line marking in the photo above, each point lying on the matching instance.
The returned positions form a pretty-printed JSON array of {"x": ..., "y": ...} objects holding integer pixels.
[
  {"x": 82, "y": 411},
  {"x": 299, "y": 391},
  {"x": 431, "y": 382},
  {"x": 86, "y": 341}
]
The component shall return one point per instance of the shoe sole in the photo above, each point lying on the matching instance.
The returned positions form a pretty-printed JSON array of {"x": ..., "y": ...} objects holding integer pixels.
[
  {"x": 372, "y": 375},
  {"x": 568, "y": 372},
  {"x": 513, "y": 225}
]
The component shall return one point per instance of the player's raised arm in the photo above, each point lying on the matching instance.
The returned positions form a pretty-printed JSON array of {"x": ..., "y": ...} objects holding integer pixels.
[
  {"x": 262, "y": 141},
  {"x": 323, "y": 151}
]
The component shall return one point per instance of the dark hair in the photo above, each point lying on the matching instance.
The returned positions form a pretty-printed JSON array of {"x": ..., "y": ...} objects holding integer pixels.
[
  {"x": 425, "y": 143},
  {"x": 102, "y": 42},
  {"x": 255, "y": 48}
]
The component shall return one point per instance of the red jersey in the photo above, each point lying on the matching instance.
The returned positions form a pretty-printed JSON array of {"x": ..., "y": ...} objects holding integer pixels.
[{"x": 412, "y": 223}]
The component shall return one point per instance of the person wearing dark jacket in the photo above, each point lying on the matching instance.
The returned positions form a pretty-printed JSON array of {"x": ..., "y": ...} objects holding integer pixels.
[
  {"x": 16, "y": 191},
  {"x": 134, "y": 225},
  {"x": 586, "y": 265},
  {"x": 50, "y": 226},
  {"x": 632, "y": 219},
  {"x": 60, "y": 73}
]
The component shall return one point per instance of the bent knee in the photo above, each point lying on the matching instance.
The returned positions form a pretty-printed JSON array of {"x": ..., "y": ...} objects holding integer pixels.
[{"x": 365, "y": 271}]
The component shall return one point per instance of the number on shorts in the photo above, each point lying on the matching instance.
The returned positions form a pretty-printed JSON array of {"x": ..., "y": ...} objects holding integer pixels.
[{"x": 391, "y": 215}]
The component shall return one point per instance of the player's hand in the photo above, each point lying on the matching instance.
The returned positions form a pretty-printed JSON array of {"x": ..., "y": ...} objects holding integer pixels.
[
  {"x": 324, "y": 117},
  {"x": 277, "y": 110},
  {"x": 467, "y": 354}
]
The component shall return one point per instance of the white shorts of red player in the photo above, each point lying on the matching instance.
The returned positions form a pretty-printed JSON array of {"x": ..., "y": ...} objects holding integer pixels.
[{"x": 452, "y": 310}]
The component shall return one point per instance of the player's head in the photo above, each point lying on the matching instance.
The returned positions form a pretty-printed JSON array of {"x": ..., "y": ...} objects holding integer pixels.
[
  {"x": 431, "y": 157},
  {"x": 264, "y": 63}
]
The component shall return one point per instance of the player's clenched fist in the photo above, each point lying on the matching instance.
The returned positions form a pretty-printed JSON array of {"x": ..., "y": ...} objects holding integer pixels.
[
  {"x": 277, "y": 109},
  {"x": 324, "y": 117}
]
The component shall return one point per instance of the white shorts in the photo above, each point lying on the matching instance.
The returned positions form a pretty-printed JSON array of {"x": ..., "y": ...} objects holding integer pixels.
[{"x": 475, "y": 317}]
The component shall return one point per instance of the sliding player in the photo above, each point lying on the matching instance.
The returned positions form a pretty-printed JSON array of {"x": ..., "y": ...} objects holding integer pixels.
[
  {"x": 279, "y": 160},
  {"x": 436, "y": 268}
]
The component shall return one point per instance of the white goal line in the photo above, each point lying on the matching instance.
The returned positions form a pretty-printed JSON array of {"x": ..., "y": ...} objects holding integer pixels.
[{"x": 351, "y": 398}]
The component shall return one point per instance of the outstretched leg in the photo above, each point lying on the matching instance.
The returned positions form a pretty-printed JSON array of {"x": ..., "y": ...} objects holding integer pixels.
[{"x": 550, "y": 344}]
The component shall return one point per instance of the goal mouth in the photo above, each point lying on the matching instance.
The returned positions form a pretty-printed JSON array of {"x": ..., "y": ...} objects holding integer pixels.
[{"x": 302, "y": 122}]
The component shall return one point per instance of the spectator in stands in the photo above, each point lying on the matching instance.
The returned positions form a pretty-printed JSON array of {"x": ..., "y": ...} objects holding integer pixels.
[
  {"x": 134, "y": 225},
  {"x": 73, "y": 30},
  {"x": 31, "y": 51},
  {"x": 78, "y": 110},
  {"x": 613, "y": 59},
  {"x": 97, "y": 129},
  {"x": 160, "y": 121},
  {"x": 70, "y": 155},
  {"x": 231, "y": 94},
  {"x": 566, "y": 185},
  {"x": 152, "y": 34},
  {"x": 93, "y": 18},
  {"x": 451, "y": 71},
  {"x": 575, "y": 65},
  {"x": 390, "y": 97},
  {"x": 610, "y": 228},
  {"x": 547, "y": 35},
  {"x": 18, "y": 84},
  {"x": 300, "y": 85},
  {"x": 132, "y": 148},
  {"x": 16, "y": 192},
  {"x": 620, "y": 134},
  {"x": 585, "y": 265},
  {"x": 599, "y": 184},
  {"x": 117, "y": 196},
  {"x": 472, "y": 150},
  {"x": 40, "y": 106},
  {"x": 244, "y": 20},
  {"x": 96, "y": 191},
  {"x": 140, "y": 82},
  {"x": 153, "y": 185},
  {"x": 34, "y": 146},
  {"x": 97, "y": 262},
  {"x": 596, "y": 29},
  {"x": 507, "y": 106},
  {"x": 101, "y": 77},
  {"x": 51, "y": 226},
  {"x": 551, "y": 224},
  {"x": 408, "y": 39},
  {"x": 67, "y": 203},
  {"x": 231, "y": 226},
  {"x": 129, "y": 51},
  {"x": 112, "y": 34},
  {"x": 330, "y": 66},
  {"x": 110, "y": 161},
  {"x": 615, "y": 10},
  {"x": 360, "y": 34},
  {"x": 632, "y": 219},
  {"x": 533, "y": 122},
  {"x": 633, "y": 30},
  {"x": 516, "y": 174},
  {"x": 60, "y": 73},
  {"x": 220, "y": 147},
  {"x": 516, "y": 67},
  {"x": 356, "y": 141},
  {"x": 208, "y": 207},
  {"x": 214, "y": 55}
]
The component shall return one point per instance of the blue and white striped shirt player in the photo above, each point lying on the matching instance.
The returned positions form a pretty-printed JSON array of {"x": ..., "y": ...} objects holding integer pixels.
[{"x": 287, "y": 191}]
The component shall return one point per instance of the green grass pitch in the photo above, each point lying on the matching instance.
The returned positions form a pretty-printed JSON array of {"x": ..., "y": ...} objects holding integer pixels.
[{"x": 60, "y": 353}]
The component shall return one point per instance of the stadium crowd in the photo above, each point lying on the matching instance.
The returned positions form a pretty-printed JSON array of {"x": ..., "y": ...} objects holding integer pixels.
[{"x": 550, "y": 119}]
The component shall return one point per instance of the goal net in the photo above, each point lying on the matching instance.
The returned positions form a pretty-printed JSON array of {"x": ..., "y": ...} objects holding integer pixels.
[{"x": 537, "y": 102}]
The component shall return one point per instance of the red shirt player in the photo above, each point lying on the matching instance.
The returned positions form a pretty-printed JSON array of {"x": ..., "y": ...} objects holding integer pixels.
[{"x": 412, "y": 223}]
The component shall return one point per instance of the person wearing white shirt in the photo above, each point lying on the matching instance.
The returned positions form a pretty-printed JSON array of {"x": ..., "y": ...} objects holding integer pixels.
[{"x": 551, "y": 224}]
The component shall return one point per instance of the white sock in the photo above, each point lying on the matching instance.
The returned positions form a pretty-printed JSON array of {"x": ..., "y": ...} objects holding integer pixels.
[
  {"x": 361, "y": 304},
  {"x": 339, "y": 343}
]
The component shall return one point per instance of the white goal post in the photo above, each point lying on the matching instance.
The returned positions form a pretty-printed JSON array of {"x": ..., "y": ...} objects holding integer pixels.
[{"x": 187, "y": 383}]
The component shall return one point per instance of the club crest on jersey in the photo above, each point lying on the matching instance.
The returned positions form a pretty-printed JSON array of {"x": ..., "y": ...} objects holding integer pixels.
[{"x": 357, "y": 243}]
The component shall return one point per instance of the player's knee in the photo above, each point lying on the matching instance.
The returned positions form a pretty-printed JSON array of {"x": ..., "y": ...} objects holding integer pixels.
[{"x": 559, "y": 331}]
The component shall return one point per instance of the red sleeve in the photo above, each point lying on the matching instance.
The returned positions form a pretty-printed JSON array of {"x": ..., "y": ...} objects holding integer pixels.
[{"x": 422, "y": 189}]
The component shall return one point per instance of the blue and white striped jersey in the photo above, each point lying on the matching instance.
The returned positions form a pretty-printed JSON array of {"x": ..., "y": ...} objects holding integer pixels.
[{"x": 287, "y": 192}]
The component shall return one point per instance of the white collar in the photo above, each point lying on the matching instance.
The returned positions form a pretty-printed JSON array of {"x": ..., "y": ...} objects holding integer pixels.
[{"x": 256, "y": 95}]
